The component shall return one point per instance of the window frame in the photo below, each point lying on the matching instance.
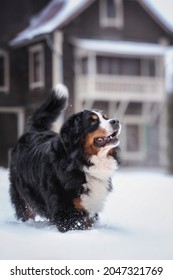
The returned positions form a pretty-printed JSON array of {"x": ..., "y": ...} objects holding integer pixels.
[
  {"x": 41, "y": 83},
  {"x": 5, "y": 87},
  {"x": 118, "y": 21},
  {"x": 84, "y": 65},
  {"x": 141, "y": 152},
  {"x": 146, "y": 67}
]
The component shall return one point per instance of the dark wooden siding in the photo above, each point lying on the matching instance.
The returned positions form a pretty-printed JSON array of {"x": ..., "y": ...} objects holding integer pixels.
[
  {"x": 8, "y": 132},
  {"x": 34, "y": 97},
  {"x": 20, "y": 94},
  {"x": 15, "y": 16},
  {"x": 138, "y": 25},
  {"x": 68, "y": 72}
]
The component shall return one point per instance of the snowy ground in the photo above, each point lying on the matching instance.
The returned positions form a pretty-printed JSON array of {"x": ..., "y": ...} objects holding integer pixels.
[{"x": 137, "y": 223}]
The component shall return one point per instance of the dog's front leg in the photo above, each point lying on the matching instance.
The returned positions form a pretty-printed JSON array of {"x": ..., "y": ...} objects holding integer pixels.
[{"x": 74, "y": 182}]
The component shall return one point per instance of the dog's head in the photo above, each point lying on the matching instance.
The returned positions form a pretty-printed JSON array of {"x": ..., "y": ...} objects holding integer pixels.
[{"x": 93, "y": 131}]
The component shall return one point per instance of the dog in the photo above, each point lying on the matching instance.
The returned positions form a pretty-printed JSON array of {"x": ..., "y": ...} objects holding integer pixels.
[{"x": 66, "y": 176}]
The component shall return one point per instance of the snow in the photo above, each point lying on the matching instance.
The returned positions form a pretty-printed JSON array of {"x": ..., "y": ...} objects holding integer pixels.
[
  {"x": 137, "y": 223},
  {"x": 121, "y": 47}
]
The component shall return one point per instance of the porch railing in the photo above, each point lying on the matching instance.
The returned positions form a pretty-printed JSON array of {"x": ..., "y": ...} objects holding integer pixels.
[{"x": 119, "y": 88}]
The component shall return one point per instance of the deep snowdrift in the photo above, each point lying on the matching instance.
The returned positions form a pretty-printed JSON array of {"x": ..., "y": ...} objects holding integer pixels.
[{"x": 137, "y": 223}]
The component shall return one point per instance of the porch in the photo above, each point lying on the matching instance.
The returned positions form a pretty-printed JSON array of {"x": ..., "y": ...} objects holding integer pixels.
[{"x": 90, "y": 88}]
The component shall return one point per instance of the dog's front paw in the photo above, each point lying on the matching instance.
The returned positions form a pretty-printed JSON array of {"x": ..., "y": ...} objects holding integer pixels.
[
  {"x": 86, "y": 223},
  {"x": 74, "y": 220}
]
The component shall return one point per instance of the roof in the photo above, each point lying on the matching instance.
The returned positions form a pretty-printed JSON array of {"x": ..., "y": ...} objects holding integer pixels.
[
  {"x": 59, "y": 12},
  {"x": 53, "y": 16},
  {"x": 120, "y": 47},
  {"x": 162, "y": 10}
]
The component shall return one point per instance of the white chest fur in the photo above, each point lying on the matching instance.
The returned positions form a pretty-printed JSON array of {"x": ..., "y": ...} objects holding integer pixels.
[{"x": 97, "y": 177}]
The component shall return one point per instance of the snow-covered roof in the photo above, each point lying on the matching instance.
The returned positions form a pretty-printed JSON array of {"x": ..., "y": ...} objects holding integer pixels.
[
  {"x": 59, "y": 12},
  {"x": 162, "y": 10},
  {"x": 120, "y": 47}
]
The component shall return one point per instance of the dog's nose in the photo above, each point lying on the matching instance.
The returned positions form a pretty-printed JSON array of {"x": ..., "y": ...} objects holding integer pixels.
[{"x": 115, "y": 123}]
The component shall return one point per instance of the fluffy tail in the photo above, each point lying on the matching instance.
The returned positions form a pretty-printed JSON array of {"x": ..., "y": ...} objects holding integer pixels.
[{"x": 49, "y": 111}]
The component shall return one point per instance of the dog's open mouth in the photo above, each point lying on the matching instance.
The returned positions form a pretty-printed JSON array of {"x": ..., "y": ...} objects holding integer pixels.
[{"x": 102, "y": 141}]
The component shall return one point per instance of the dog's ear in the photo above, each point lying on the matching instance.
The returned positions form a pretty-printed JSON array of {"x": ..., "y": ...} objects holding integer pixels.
[{"x": 71, "y": 132}]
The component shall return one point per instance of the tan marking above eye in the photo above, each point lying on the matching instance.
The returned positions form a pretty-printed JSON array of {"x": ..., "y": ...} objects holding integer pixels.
[
  {"x": 94, "y": 117},
  {"x": 105, "y": 116}
]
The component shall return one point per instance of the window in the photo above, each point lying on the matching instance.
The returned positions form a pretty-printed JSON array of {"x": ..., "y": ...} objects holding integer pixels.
[
  {"x": 149, "y": 67},
  {"x": 111, "y": 13},
  {"x": 130, "y": 67},
  {"x": 108, "y": 65},
  {"x": 118, "y": 66},
  {"x": 36, "y": 67},
  {"x": 103, "y": 65},
  {"x": 110, "y": 9},
  {"x": 4, "y": 71},
  {"x": 133, "y": 138}
]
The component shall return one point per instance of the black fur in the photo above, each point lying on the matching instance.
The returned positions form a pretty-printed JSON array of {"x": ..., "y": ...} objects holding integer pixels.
[{"x": 46, "y": 170}]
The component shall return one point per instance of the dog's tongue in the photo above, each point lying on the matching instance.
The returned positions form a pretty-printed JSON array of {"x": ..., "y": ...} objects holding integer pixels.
[
  {"x": 104, "y": 139},
  {"x": 101, "y": 139}
]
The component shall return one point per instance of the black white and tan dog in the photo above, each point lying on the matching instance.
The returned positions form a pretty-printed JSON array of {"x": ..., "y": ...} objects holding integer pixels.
[{"x": 66, "y": 176}]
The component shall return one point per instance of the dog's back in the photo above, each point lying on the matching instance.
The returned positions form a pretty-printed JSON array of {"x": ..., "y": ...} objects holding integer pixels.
[{"x": 32, "y": 153}]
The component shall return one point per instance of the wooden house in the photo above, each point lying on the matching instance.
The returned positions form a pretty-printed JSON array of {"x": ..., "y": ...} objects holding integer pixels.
[{"x": 110, "y": 54}]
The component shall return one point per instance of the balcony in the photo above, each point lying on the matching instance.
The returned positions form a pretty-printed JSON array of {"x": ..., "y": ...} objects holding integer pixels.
[{"x": 119, "y": 88}]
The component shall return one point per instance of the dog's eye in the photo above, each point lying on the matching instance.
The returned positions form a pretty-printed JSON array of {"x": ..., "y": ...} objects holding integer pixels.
[{"x": 94, "y": 122}]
